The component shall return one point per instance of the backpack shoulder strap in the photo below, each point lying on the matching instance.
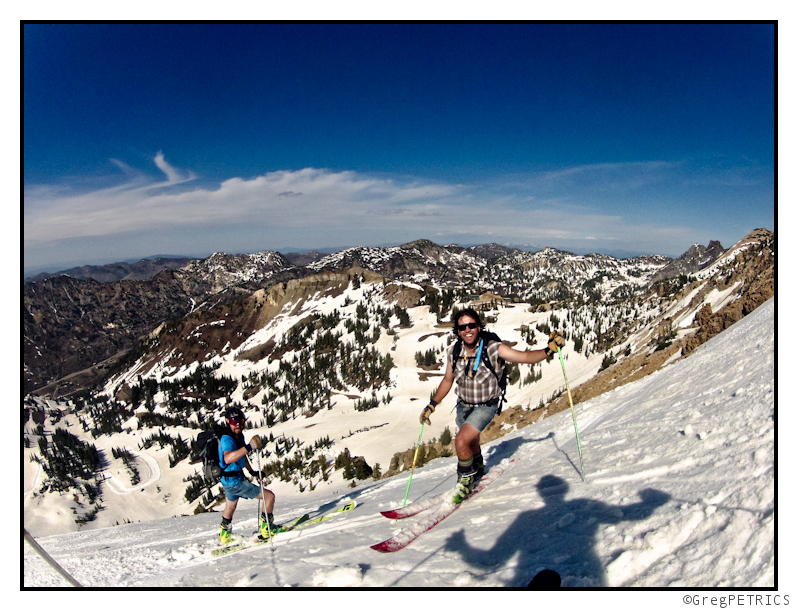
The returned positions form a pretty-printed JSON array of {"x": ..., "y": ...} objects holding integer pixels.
[
  {"x": 458, "y": 347},
  {"x": 492, "y": 337},
  {"x": 219, "y": 433}
]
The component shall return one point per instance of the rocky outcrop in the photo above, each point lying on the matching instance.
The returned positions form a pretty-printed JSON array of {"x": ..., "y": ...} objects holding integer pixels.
[
  {"x": 748, "y": 265},
  {"x": 70, "y": 325},
  {"x": 696, "y": 258}
]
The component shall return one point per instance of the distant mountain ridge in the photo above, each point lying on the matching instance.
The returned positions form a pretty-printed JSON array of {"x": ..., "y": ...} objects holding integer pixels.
[
  {"x": 72, "y": 324},
  {"x": 493, "y": 250},
  {"x": 304, "y": 258},
  {"x": 114, "y": 272}
]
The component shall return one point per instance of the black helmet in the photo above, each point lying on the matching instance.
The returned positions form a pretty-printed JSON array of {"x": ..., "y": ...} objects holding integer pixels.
[{"x": 234, "y": 412}]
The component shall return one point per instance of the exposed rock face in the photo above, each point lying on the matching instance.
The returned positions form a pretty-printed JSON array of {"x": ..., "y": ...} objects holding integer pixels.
[
  {"x": 750, "y": 263},
  {"x": 696, "y": 258},
  {"x": 70, "y": 324}
]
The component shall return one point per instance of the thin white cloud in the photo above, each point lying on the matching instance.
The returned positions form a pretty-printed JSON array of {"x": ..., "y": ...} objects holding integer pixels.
[
  {"x": 173, "y": 175},
  {"x": 338, "y": 207}
]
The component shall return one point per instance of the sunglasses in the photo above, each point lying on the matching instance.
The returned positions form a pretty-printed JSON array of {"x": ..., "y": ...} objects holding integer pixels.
[
  {"x": 468, "y": 325},
  {"x": 237, "y": 421}
]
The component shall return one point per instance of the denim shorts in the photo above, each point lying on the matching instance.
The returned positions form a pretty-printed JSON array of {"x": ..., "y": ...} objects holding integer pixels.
[
  {"x": 478, "y": 416},
  {"x": 242, "y": 489}
]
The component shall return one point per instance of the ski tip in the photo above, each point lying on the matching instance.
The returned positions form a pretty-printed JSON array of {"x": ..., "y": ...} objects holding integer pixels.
[
  {"x": 383, "y": 548},
  {"x": 391, "y": 513}
]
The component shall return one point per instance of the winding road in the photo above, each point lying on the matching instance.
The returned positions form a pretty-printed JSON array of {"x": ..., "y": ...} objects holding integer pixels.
[{"x": 118, "y": 487}]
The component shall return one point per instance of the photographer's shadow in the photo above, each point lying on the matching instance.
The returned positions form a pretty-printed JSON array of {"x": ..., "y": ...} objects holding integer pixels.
[{"x": 560, "y": 533}]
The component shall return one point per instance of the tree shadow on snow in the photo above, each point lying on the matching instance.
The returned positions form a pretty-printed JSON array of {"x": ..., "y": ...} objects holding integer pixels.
[{"x": 560, "y": 535}]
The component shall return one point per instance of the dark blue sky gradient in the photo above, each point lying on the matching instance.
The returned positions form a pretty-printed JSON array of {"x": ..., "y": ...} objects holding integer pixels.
[{"x": 451, "y": 103}]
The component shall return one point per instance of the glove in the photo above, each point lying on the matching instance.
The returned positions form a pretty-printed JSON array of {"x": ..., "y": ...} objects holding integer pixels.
[
  {"x": 555, "y": 341},
  {"x": 254, "y": 443},
  {"x": 427, "y": 412}
]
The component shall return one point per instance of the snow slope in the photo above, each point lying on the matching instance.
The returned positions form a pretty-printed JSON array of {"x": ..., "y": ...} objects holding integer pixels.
[{"x": 680, "y": 492}]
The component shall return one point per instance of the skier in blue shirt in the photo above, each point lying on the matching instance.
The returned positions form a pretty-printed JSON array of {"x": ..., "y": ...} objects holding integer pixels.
[{"x": 233, "y": 459}]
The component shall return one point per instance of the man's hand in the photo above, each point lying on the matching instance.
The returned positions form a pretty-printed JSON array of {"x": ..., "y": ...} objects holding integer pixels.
[
  {"x": 254, "y": 443},
  {"x": 427, "y": 412},
  {"x": 555, "y": 341}
]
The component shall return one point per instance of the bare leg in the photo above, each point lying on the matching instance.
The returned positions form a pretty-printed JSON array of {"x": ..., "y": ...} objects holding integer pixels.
[
  {"x": 267, "y": 502},
  {"x": 229, "y": 509},
  {"x": 467, "y": 442}
]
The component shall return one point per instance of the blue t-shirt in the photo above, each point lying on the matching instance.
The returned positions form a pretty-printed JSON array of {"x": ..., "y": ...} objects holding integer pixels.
[{"x": 228, "y": 444}]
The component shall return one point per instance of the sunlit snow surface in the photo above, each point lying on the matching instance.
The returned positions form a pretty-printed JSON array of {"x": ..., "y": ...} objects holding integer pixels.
[{"x": 679, "y": 492}]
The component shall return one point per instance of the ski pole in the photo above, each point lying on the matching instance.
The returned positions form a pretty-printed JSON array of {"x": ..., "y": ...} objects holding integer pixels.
[
  {"x": 263, "y": 500},
  {"x": 571, "y": 401},
  {"x": 413, "y": 468},
  {"x": 48, "y": 558}
]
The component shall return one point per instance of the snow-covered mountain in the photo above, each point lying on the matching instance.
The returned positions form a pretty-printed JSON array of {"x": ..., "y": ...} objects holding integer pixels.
[
  {"x": 679, "y": 492},
  {"x": 71, "y": 325},
  {"x": 220, "y": 271},
  {"x": 329, "y": 363}
]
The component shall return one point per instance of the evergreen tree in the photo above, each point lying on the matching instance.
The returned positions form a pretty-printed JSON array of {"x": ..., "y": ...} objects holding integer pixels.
[
  {"x": 446, "y": 437},
  {"x": 362, "y": 469}
]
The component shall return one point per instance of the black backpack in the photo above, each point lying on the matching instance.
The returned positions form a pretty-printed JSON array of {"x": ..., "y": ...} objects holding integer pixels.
[
  {"x": 208, "y": 445},
  {"x": 487, "y": 336}
]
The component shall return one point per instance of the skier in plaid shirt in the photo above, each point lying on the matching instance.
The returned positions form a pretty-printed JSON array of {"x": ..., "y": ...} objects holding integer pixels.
[{"x": 478, "y": 389}]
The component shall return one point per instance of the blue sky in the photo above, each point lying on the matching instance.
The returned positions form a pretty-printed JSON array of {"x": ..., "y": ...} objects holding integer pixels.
[{"x": 190, "y": 139}]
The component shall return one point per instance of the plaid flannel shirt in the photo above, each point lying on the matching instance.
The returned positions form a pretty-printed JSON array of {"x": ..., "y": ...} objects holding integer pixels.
[{"x": 483, "y": 386}]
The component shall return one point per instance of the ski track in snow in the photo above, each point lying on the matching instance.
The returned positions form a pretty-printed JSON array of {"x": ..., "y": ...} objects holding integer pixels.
[
  {"x": 679, "y": 492},
  {"x": 35, "y": 481},
  {"x": 117, "y": 487}
]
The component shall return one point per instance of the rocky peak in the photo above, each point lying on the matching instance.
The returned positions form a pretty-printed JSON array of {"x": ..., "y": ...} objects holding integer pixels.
[{"x": 696, "y": 258}]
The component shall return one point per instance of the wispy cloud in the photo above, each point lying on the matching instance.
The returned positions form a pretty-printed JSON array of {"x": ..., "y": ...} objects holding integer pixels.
[
  {"x": 172, "y": 174},
  {"x": 317, "y": 207},
  {"x": 327, "y": 198}
]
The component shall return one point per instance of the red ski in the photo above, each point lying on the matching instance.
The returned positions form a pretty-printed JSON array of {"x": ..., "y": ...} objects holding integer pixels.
[
  {"x": 414, "y": 508},
  {"x": 444, "y": 510}
]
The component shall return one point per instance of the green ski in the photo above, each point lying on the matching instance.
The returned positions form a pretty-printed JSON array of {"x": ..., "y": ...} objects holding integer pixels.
[
  {"x": 297, "y": 524},
  {"x": 348, "y": 507},
  {"x": 235, "y": 547}
]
